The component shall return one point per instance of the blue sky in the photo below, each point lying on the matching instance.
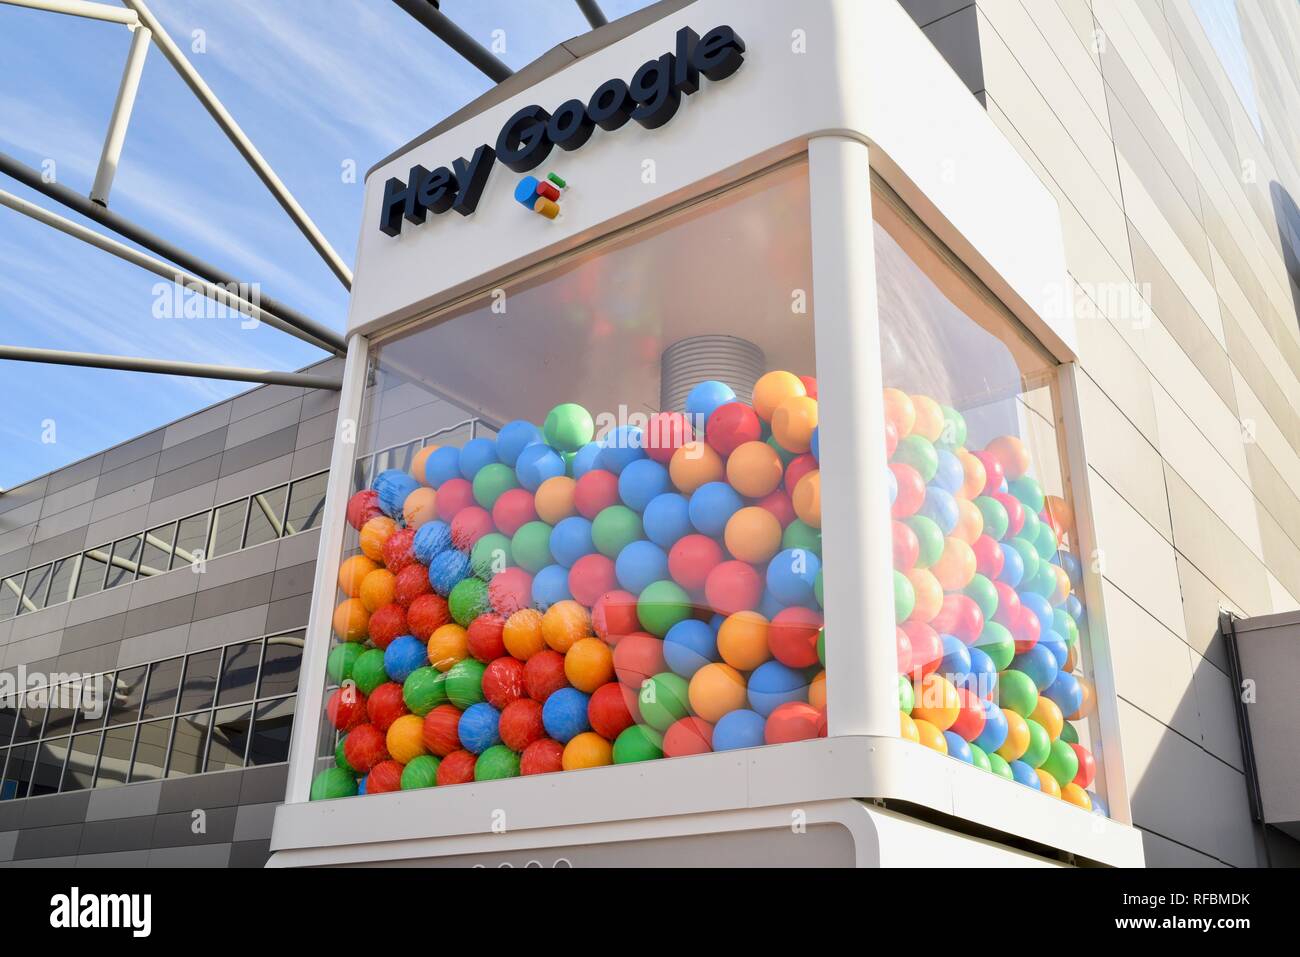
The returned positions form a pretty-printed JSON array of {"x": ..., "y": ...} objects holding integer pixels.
[{"x": 351, "y": 81}]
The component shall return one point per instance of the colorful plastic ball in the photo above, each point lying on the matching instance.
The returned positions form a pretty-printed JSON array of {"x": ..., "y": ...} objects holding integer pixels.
[
  {"x": 470, "y": 525},
  {"x": 792, "y": 636},
  {"x": 1087, "y": 771},
  {"x": 773, "y": 684},
  {"x": 1011, "y": 454},
  {"x": 1067, "y": 692},
  {"x": 667, "y": 519},
  {"x": 477, "y": 454},
  {"x": 594, "y": 492},
  {"x": 996, "y": 642},
  {"x": 793, "y": 422},
  {"x": 1069, "y": 734},
  {"x": 929, "y": 541},
  {"x": 906, "y": 695},
  {"x": 447, "y": 570},
  {"x": 919, "y": 453},
  {"x": 553, "y": 502},
  {"x": 421, "y": 772},
  {"x": 550, "y": 586},
  {"x": 979, "y": 757},
  {"x": 583, "y": 460},
  {"x": 614, "y": 615},
  {"x": 496, "y": 763},
  {"x": 970, "y": 522},
  {"x": 570, "y": 540},
  {"x": 693, "y": 465},
  {"x": 707, "y": 396},
  {"x": 958, "y": 747},
  {"x": 373, "y": 534},
  {"x": 464, "y": 683},
  {"x": 405, "y": 739},
  {"x": 513, "y": 510},
  {"x": 715, "y": 690},
  {"x": 442, "y": 466},
  {"x": 638, "y": 743},
  {"x": 1039, "y": 664},
  {"x": 426, "y": 614},
  {"x": 929, "y": 420},
  {"x": 568, "y": 427},
  {"x": 586, "y": 750},
  {"x": 754, "y": 469},
  {"x": 711, "y": 506},
  {"x": 753, "y": 535},
  {"x": 950, "y": 474},
  {"x": 607, "y": 711},
  {"x": 403, "y": 656},
  {"x": 565, "y": 623},
  {"x": 904, "y": 597},
  {"x": 385, "y": 705},
  {"x": 926, "y": 648},
  {"x": 479, "y": 727},
  {"x": 1017, "y": 692},
  {"x": 377, "y": 589},
  {"x": 640, "y": 564},
  {"x": 536, "y": 465},
  {"x": 362, "y": 507},
  {"x": 686, "y": 736},
  {"x": 542, "y": 756},
  {"x": 411, "y": 582},
  {"x": 661, "y": 605},
  {"x": 423, "y": 690},
  {"x": 456, "y": 768},
  {"x": 907, "y": 729},
  {"x": 454, "y": 496},
  {"x": 691, "y": 560},
  {"x": 386, "y": 624},
  {"x": 364, "y": 747},
  {"x": 510, "y": 590},
  {"x": 520, "y": 724},
  {"x": 956, "y": 663},
  {"x": 440, "y": 730},
  {"x": 588, "y": 664},
  {"x": 612, "y": 530},
  {"x": 689, "y": 646},
  {"x": 1023, "y": 773},
  {"x": 941, "y": 508},
  {"x": 983, "y": 676},
  {"x": 641, "y": 481},
  {"x": 430, "y": 539},
  {"x": 899, "y": 411},
  {"x": 1040, "y": 745},
  {"x": 792, "y": 721},
  {"x": 937, "y": 701},
  {"x": 544, "y": 674},
  {"x": 734, "y": 586},
  {"x": 514, "y": 437},
  {"x": 910, "y": 494},
  {"x": 530, "y": 547},
  {"x": 666, "y": 432},
  {"x": 484, "y": 637},
  {"x": 772, "y": 389},
  {"x": 368, "y": 670},
  {"x": 346, "y": 707},
  {"x": 620, "y": 448},
  {"x": 590, "y": 577},
  {"x": 995, "y": 728},
  {"x": 971, "y": 717},
  {"x": 468, "y": 600},
  {"x": 791, "y": 574},
  {"x": 522, "y": 633},
  {"x": 1073, "y": 794},
  {"x": 743, "y": 641},
  {"x": 731, "y": 426},
  {"x": 384, "y": 777},
  {"x": 1061, "y": 763},
  {"x": 999, "y": 766},
  {"x": 930, "y": 736},
  {"x": 739, "y": 729},
  {"x": 494, "y": 480},
  {"x": 391, "y": 487},
  {"x": 807, "y": 499},
  {"x": 663, "y": 699},
  {"x": 564, "y": 714},
  {"x": 491, "y": 554},
  {"x": 353, "y": 572},
  {"x": 420, "y": 507},
  {"x": 1016, "y": 741},
  {"x": 341, "y": 660}
]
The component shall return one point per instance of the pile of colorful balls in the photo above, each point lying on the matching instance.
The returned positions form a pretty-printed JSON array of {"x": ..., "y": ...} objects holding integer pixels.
[{"x": 542, "y": 601}]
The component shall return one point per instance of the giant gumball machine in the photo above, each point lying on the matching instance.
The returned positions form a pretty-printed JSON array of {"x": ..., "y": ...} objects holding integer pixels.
[{"x": 702, "y": 491}]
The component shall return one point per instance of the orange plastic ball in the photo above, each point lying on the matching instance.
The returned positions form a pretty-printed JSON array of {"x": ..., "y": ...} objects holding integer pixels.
[
  {"x": 808, "y": 499},
  {"x": 418, "y": 461},
  {"x": 936, "y": 701},
  {"x": 373, "y": 535},
  {"x": 899, "y": 411},
  {"x": 976, "y": 476},
  {"x": 1073, "y": 794},
  {"x": 1011, "y": 453},
  {"x": 351, "y": 619},
  {"x": 753, "y": 535},
  {"x": 586, "y": 750},
  {"x": 588, "y": 664},
  {"x": 447, "y": 645},
  {"x": 564, "y": 623},
  {"x": 377, "y": 589},
  {"x": 406, "y": 739},
  {"x": 929, "y": 594},
  {"x": 907, "y": 728},
  {"x": 1048, "y": 714},
  {"x": 1060, "y": 512},
  {"x": 693, "y": 465},
  {"x": 970, "y": 521},
  {"x": 352, "y": 572},
  {"x": 793, "y": 423},
  {"x": 930, "y": 736},
  {"x": 774, "y": 388},
  {"x": 1063, "y": 586},
  {"x": 754, "y": 469},
  {"x": 955, "y": 568},
  {"x": 929, "y": 417},
  {"x": 522, "y": 633},
  {"x": 1071, "y": 657},
  {"x": 420, "y": 507},
  {"x": 715, "y": 690},
  {"x": 1089, "y": 699},
  {"x": 1049, "y": 785},
  {"x": 817, "y": 691},
  {"x": 554, "y": 499},
  {"x": 1016, "y": 742},
  {"x": 742, "y": 640}
]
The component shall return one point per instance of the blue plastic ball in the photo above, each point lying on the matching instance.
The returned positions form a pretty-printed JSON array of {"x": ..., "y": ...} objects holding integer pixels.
[
  {"x": 641, "y": 482},
  {"x": 950, "y": 475},
  {"x": 772, "y": 684},
  {"x": 958, "y": 747},
  {"x": 1040, "y": 606},
  {"x": 769, "y": 605},
  {"x": 739, "y": 729},
  {"x": 1099, "y": 805},
  {"x": 1013, "y": 566},
  {"x": 571, "y": 539},
  {"x": 639, "y": 564},
  {"x": 514, "y": 437},
  {"x": 1066, "y": 692},
  {"x": 405, "y": 654},
  {"x": 1052, "y": 641},
  {"x": 666, "y": 519},
  {"x": 620, "y": 448},
  {"x": 816, "y": 445},
  {"x": 536, "y": 464},
  {"x": 1024, "y": 774},
  {"x": 891, "y": 483},
  {"x": 1073, "y": 570},
  {"x": 551, "y": 585},
  {"x": 1073, "y": 607},
  {"x": 447, "y": 570},
  {"x": 479, "y": 727},
  {"x": 475, "y": 454},
  {"x": 982, "y": 678},
  {"x": 711, "y": 507},
  {"x": 689, "y": 646},
  {"x": 956, "y": 663},
  {"x": 995, "y": 728},
  {"x": 584, "y": 460},
  {"x": 430, "y": 539},
  {"x": 361, "y": 785},
  {"x": 392, "y": 486},
  {"x": 442, "y": 465},
  {"x": 941, "y": 508},
  {"x": 791, "y": 575},
  {"x": 1039, "y": 664},
  {"x": 564, "y": 715},
  {"x": 704, "y": 398}
]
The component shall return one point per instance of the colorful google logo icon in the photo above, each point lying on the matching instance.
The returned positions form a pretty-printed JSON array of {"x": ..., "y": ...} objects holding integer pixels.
[{"x": 541, "y": 196}]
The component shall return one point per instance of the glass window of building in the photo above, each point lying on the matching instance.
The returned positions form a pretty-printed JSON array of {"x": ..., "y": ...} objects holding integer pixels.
[
  {"x": 272, "y": 725},
  {"x": 11, "y": 590},
  {"x": 8, "y": 718},
  {"x": 18, "y": 772},
  {"x": 266, "y": 516},
  {"x": 63, "y": 581},
  {"x": 188, "y": 743},
  {"x": 157, "y": 555},
  {"x": 96, "y": 696},
  {"x": 191, "y": 540},
  {"x": 151, "y": 750},
  {"x": 200, "y": 687},
  {"x": 127, "y": 693},
  {"x": 280, "y": 662},
  {"x": 94, "y": 564},
  {"x": 35, "y": 589},
  {"x": 82, "y": 755},
  {"x": 60, "y": 707},
  {"x": 164, "y": 685},
  {"x": 115, "y": 761},
  {"x": 227, "y": 529},
  {"x": 229, "y": 741},
  {"x": 306, "y": 502},
  {"x": 125, "y": 563},
  {"x": 51, "y": 755},
  {"x": 31, "y": 717},
  {"x": 239, "y": 672}
]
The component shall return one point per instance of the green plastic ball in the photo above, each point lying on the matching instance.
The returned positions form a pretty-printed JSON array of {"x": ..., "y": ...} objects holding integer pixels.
[
  {"x": 821, "y": 646},
  {"x": 492, "y": 481},
  {"x": 424, "y": 689},
  {"x": 422, "y": 772},
  {"x": 979, "y": 757},
  {"x": 491, "y": 554},
  {"x": 1069, "y": 734},
  {"x": 531, "y": 547},
  {"x": 568, "y": 427},
  {"x": 1029, "y": 556},
  {"x": 906, "y": 695},
  {"x": 1062, "y": 763},
  {"x": 638, "y": 743},
  {"x": 1029, "y": 527},
  {"x": 1017, "y": 692},
  {"x": 341, "y": 660},
  {"x": 954, "y": 429},
  {"x": 983, "y": 593},
  {"x": 819, "y": 591},
  {"x": 368, "y": 671},
  {"x": 784, "y": 454},
  {"x": 340, "y": 755},
  {"x": 468, "y": 600},
  {"x": 1043, "y": 583},
  {"x": 799, "y": 534},
  {"x": 614, "y": 528},
  {"x": 663, "y": 699},
  {"x": 1040, "y": 745},
  {"x": 996, "y": 642},
  {"x": 1045, "y": 541},
  {"x": 918, "y": 452},
  {"x": 333, "y": 783},
  {"x": 1029, "y": 493},
  {"x": 998, "y": 765},
  {"x": 464, "y": 683},
  {"x": 495, "y": 763},
  {"x": 904, "y": 597},
  {"x": 662, "y": 604},
  {"x": 996, "y": 521},
  {"x": 931, "y": 539}
]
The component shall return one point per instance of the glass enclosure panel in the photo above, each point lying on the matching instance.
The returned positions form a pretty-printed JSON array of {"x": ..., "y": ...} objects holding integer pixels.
[
  {"x": 618, "y": 496},
  {"x": 306, "y": 503},
  {"x": 35, "y": 589},
  {"x": 266, "y": 517},
  {"x": 993, "y": 644},
  {"x": 63, "y": 583},
  {"x": 157, "y": 555},
  {"x": 191, "y": 540},
  {"x": 227, "y": 529},
  {"x": 94, "y": 564}
]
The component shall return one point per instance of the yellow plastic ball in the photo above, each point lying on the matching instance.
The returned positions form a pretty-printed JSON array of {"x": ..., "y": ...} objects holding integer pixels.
[
  {"x": 1049, "y": 785},
  {"x": 936, "y": 701},
  {"x": 352, "y": 572},
  {"x": 715, "y": 690},
  {"x": 754, "y": 469},
  {"x": 351, "y": 620},
  {"x": 1063, "y": 586},
  {"x": 817, "y": 691},
  {"x": 929, "y": 594},
  {"x": 929, "y": 418},
  {"x": 793, "y": 423},
  {"x": 1012, "y": 454},
  {"x": 742, "y": 640},
  {"x": 693, "y": 465},
  {"x": 447, "y": 645},
  {"x": 554, "y": 499},
  {"x": 907, "y": 728},
  {"x": 565, "y": 623},
  {"x": 900, "y": 411},
  {"x": 975, "y": 475},
  {"x": 586, "y": 750},
  {"x": 1017, "y": 739},
  {"x": 955, "y": 568},
  {"x": 522, "y": 633},
  {"x": 588, "y": 664},
  {"x": 1073, "y": 794},
  {"x": 752, "y": 535},
  {"x": 774, "y": 388},
  {"x": 970, "y": 521},
  {"x": 405, "y": 739},
  {"x": 930, "y": 736},
  {"x": 373, "y": 535},
  {"x": 420, "y": 507},
  {"x": 418, "y": 461},
  {"x": 377, "y": 589},
  {"x": 808, "y": 499},
  {"x": 1048, "y": 714}
]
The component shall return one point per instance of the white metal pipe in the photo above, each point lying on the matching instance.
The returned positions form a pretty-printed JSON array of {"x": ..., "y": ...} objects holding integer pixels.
[
  {"x": 242, "y": 143},
  {"x": 80, "y": 8},
  {"x": 188, "y": 280},
  {"x": 121, "y": 117}
]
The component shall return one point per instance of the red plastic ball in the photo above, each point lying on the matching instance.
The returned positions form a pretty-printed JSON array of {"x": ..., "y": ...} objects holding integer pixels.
[
  {"x": 907, "y": 547},
  {"x": 799, "y": 466},
  {"x": 665, "y": 433},
  {"x": 1008, "y": 613},
  {"x": 441, "y": 730},
  {"x": 456, "y": 768},
  {"x": 780, "y": 505},
  {"x": 398, "y": 553},
  {"x": 1015, "y": 513},
  {"x": 364, "y": 747},
  {"x": 903, "y": 645},
  {"x": 503, "y": 682},
  {"x": 521, "y": 724},
  {"x": 484, "y": 637},
  {"x": 970, "y": 718},
  {"x": 1027, "y": 631},
  {"x": 792, "y": 637},
  {"x": 384, "y": 777},
  {"x": 1087, "y": 766},
  {"x": 733, "y": 586},
  {"x": 386, "y": 705},
  {"x": 638, "y": 656},
  {"x": 988, "y": 557},
  {"x": 992, "y": 471},
  {"x": 510, "y": 590},
  {"x": 731, "y": 426},
  {"x": 590, "y": 577},
  {"x": 426, "y": 615},
  {"x": 362, "y": 507},
  {"x": 542, "y": 757},
  {"x": 891, "y": 439},
  {"x": 454, "y": 495},
  {"x": 513, "y": 510},
  {"x": 689, "y": 735},
  {"x": 607, "y": 711},
  {"x": 544, "y": 675},
  {"x": 792, "y": 721},
  {"x": 595, "y": 492},
  {"x": 911, "y": 490},
  {"x": 959, "y": 616},
  {"x": 614, "y": 615},
  {"x": 810, "y": 385},
  {"x": 692, "y": 558},
  {"x": 470, "y": 524},
  {"x": 410, "y": 583},
  {"x": 386, "y": 624},
  {"x": 927, "y": 647},
  {"x": 346, "y": 708}
]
